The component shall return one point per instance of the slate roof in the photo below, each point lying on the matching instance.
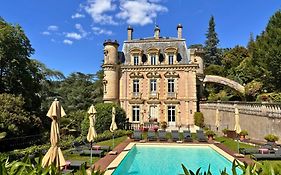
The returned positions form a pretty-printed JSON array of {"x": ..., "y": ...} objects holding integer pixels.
[{"x": 162, "y": 43}]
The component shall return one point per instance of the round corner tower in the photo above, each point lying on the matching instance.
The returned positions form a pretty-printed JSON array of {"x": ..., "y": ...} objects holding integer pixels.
[{"x": 110, "y": 67}]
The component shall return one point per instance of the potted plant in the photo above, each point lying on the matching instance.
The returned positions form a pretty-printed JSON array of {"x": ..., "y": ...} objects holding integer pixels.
[
  {"x": 224, "y": 131},
  {"x": 210, "y": 134},
  {"x": 164, "y": 125},
  {"x": 243, "y": 134},
  {"x": 155, "y": 128},
  {"x": 271, "y": 138}
]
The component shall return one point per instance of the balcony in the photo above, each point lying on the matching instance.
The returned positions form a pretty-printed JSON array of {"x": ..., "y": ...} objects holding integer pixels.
[
  {"x": 136, "y": 95},
  {"x": 153, "y": 95},
  {"x": 171, "y": 95}
]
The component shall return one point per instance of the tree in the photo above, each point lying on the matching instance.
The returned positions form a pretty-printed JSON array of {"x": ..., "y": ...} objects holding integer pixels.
[
  {"x": 17, "y": 73},
  {"x": 267, "y": 54},
  {"x": 14, "y": 120},
  {"x": 212, "y": 53}
]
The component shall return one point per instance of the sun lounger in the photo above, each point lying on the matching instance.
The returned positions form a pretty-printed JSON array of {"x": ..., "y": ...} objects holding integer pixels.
[
  {"x": 175, "y": 135},
  {"x": 201, "y": 136},
  {"x": 151, "y": 135},
  {"x": 255, "y": 150},
  {"x": 94, "y": 153},
  {"x": 137, "y": 135},
  {"x": 77, "y": 164},
  {"x": 187, "y": 136},
  {"x": 162, "y": 135},
  {"x": 102, "y": 147},
  {"x": 274, "y": 156}
]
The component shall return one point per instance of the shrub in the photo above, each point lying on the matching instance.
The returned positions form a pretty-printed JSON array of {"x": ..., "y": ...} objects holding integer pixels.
[
  {"x": 199, "y": 119},
  {"x": 210, "y": 133},
  {"x": 271, "y": 138},
  {"x": 163, "y": 125},
  {"x": 243, "y": 133},
  {"x": 103, "y": 118},
  {"x": 224, "y": 131}
]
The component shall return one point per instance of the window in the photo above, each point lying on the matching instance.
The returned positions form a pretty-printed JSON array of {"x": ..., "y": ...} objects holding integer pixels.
[
  {"x": 153, "y": 86},
  {"x": 171, "y": 59},
  {"x": 171, "y": 113},
  {"x": 136, "y": 59},
  {"x": 136, "y": 86},
  {"x": 153, "y": 59},
  {"x": 136, "y": 113},
  {"x": 171, "y": 87}
]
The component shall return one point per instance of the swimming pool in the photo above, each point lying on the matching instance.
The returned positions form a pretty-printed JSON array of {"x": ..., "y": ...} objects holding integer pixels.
[{"x": 145, "y": 159}]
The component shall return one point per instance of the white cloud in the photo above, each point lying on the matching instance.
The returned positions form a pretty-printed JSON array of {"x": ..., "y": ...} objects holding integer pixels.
[
  {"x": 99, "y": 31},
  {"x": 139, "y": 12},
  {"x": 45, "y": 33},
  {"x": 77, "y": 15},
  {"x": 53, "y": 28},
  {"x": 73, "y": 35},
  {"x": 98, "y": 10},
  {"x": 69, "y": 42},
  {"x": 81, "y": 30}
]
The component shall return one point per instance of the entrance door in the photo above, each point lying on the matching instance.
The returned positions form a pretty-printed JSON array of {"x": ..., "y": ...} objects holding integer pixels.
[
  {"x": 153, "y": 113},
  {"x": 171, "y": 115}
]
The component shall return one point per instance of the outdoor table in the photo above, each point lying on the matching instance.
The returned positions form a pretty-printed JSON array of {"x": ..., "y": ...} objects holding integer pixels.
[{"x": 263, "y": 150}]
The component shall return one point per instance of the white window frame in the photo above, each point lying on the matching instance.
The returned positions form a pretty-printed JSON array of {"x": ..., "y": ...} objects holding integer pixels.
[
  {"x": 135, "y": 113},
  {"x": 171, "y": 85},
  {"x": 136, "y": 86},
  {"x": 136, "y": 59},
  {"x": 170, "y": 59},
  {"x": 171, "y": 113},
  {"x": 153, "y": 59},
  {"x": 153, "y": 86}
]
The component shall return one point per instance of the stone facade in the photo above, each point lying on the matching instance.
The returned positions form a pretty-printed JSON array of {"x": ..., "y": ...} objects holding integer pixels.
[{"x": 153, "y": 78}]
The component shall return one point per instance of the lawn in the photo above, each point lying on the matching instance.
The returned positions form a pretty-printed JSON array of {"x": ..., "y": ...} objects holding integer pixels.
[
  {"x": 69, "y": 156},
  {"x": 232, "y": 144}
]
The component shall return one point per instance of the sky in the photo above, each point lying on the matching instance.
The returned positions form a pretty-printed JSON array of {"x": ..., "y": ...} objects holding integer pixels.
[{"x": 68, "y": 35}]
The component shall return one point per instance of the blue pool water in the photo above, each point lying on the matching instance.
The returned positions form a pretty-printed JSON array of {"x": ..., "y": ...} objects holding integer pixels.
[{"x": 167, "y": 160}]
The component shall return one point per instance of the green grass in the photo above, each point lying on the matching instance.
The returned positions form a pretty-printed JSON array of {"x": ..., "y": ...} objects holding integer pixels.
[
  {"x": 69, "y": 156},
  {"x": 232, "y": 144}
]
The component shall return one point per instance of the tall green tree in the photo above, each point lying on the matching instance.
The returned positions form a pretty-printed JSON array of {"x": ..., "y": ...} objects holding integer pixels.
[
  {"x": 267, "y": 54},
  {"x": 17, "y": 73},
  {"x": 212, "y": 53}
]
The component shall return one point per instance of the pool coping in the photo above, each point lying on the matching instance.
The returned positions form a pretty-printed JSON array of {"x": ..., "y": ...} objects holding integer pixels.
[{"x": 114, "y": 164}]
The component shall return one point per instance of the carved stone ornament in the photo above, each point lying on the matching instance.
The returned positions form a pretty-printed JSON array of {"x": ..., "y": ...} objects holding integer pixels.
[
  {"x": 172, "y": 74},
  {"x": 136, "y": 75},
  {"x": 153, "y": 75}
]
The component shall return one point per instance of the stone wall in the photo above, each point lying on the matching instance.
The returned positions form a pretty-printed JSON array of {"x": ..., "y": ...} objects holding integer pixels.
[{"x": 259, "y": 119}]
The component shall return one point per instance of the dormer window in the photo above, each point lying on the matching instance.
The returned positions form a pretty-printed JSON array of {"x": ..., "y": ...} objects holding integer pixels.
[
  {"x": 153, "y": 59},
  {"x": 153, "y": 55},
  {"x": 136, "y": 59},
  {"x": 170, "y": 55}
]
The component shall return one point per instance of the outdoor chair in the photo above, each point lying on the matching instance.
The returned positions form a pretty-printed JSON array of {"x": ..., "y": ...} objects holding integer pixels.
[
  {"x": 77, "y": 164},
  {"x": 272, "y": 156},
  {"x": 137, "y": 135},
  {"x": 151, "y": 136},
  {"x": 175, "y": 135},
  {"x": 87, "y": 152},
  {"x": 162, "y": 135},
  {"x": 187, "y": 136},
  {"x": 201, "y": 136}
]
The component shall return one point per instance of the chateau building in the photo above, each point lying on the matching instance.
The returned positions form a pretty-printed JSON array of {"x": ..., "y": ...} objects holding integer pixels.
[{"x": 154, "y": 78}]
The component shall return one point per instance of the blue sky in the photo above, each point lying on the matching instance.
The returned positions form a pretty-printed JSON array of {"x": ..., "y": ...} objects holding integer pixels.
[{"x": 67, "y": 35}]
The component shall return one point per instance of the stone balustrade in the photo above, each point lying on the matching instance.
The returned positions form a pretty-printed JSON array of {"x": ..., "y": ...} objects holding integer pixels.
[{"x": 259, "y": 119}]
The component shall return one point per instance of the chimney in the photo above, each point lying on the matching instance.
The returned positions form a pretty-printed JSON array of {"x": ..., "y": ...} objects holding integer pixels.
[
  {"x": 179, "y": 29},
  {"x": 156, "y": 32},
  {"x": 130, "y": 33}
]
